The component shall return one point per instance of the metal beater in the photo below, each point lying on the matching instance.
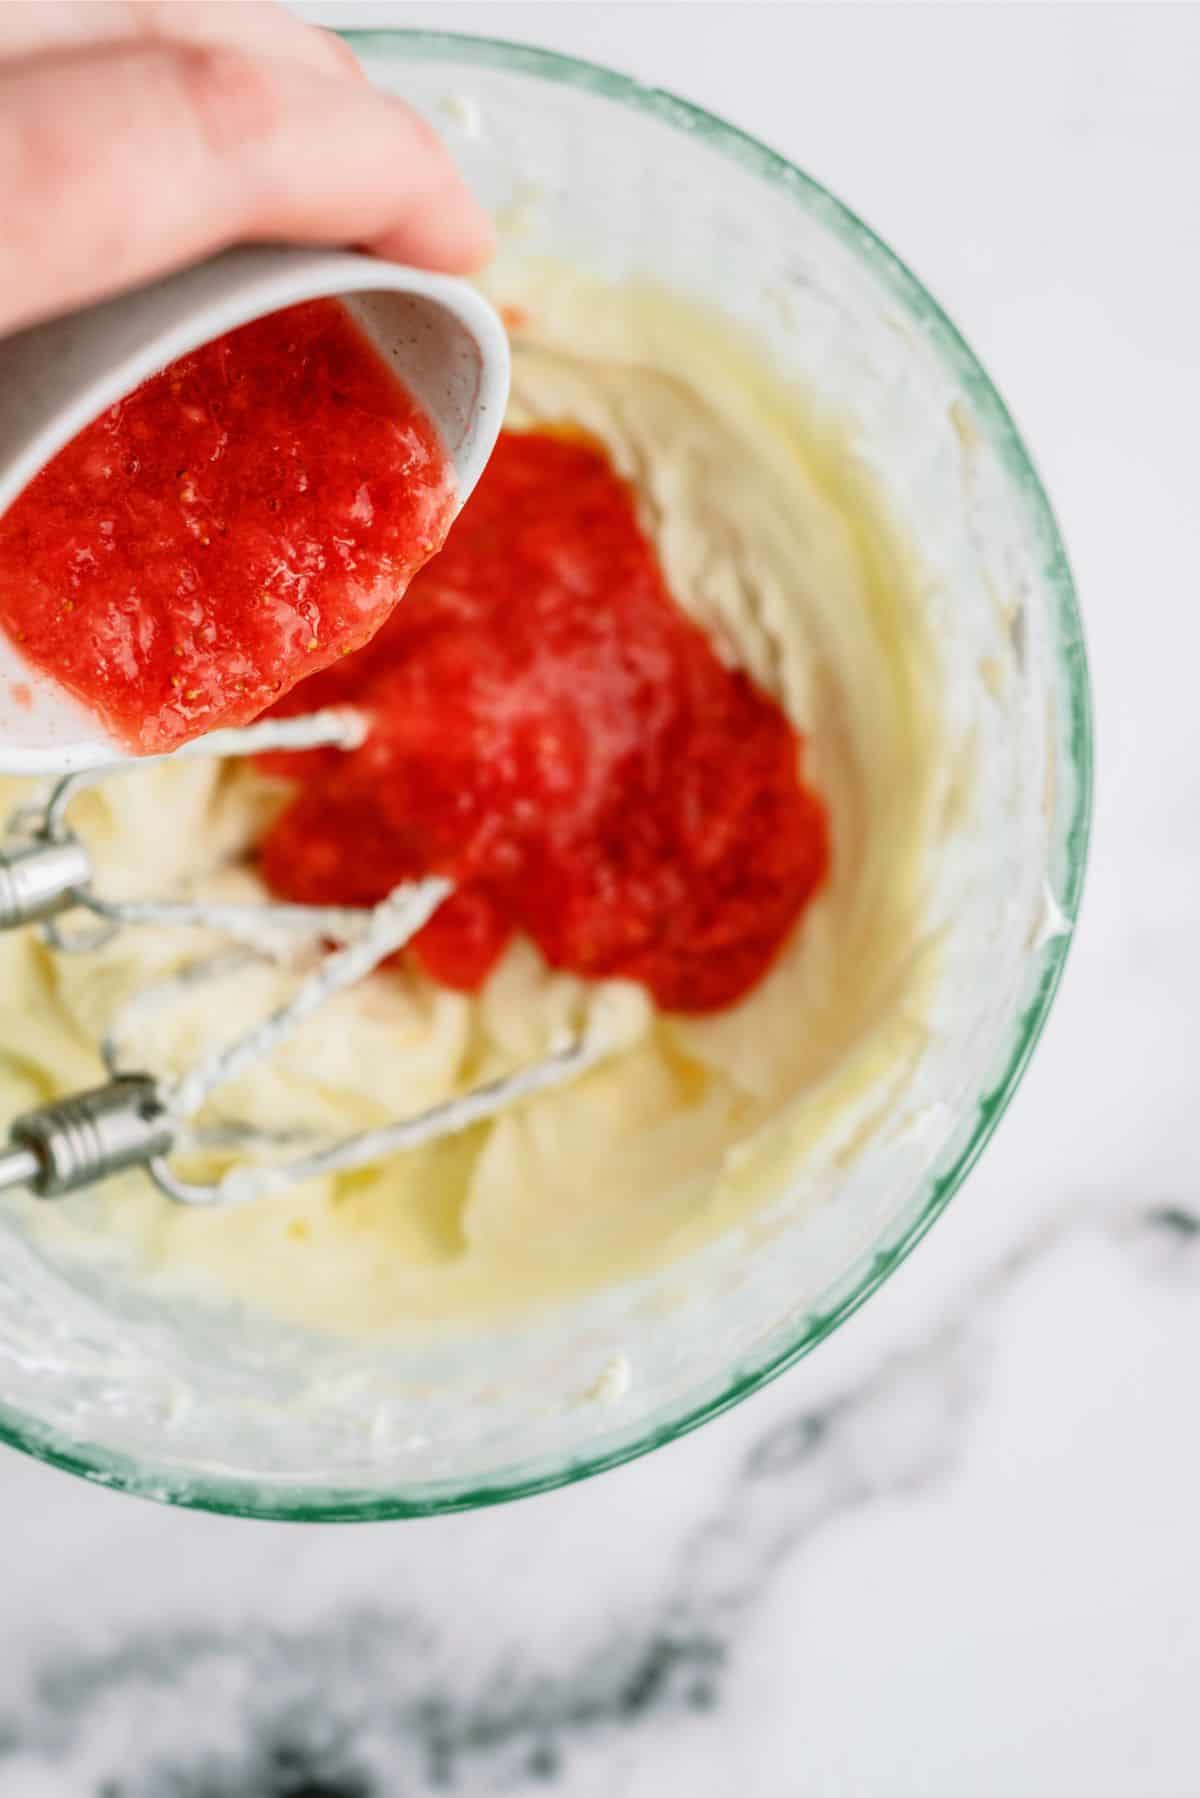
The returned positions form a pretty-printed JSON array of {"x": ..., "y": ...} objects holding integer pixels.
[{"x": 139, "y": 1120}]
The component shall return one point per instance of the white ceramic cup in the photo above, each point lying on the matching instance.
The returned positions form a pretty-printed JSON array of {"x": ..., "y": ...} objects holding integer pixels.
[{"x": 442, "y": 338}]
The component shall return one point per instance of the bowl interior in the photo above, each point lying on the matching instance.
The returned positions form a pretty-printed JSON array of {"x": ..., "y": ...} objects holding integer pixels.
[{"x": 586, "y": 167}]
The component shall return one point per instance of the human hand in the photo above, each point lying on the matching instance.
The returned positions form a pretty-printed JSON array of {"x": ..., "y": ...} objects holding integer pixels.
[{"x": 136, "y": 137}]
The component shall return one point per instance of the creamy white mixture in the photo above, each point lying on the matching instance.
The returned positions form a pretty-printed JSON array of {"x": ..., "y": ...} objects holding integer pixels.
[{"x": 773, "y": 540}]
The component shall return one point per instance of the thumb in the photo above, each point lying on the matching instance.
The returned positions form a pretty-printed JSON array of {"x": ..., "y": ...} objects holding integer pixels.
[{"x": 119, "y": 162}]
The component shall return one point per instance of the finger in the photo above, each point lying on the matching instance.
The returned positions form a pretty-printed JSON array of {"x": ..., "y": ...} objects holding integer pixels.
[
  {"x": 256, "y": 26},
  {"x": 119, "y": 162}
]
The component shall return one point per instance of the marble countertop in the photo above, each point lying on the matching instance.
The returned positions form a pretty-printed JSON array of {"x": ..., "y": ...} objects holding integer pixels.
[{"x": 956, "y": 1550}]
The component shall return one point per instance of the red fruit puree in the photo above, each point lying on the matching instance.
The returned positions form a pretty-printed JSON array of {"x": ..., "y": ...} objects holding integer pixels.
[
  {"x": 243, "y": 519},
  {"x": 549, "y": 730}
]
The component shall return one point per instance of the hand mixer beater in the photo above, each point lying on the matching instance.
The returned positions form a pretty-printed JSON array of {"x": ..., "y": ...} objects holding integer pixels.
[
  {"x": 139, "y": 1120},
  {"x": 447, "y": 343}
]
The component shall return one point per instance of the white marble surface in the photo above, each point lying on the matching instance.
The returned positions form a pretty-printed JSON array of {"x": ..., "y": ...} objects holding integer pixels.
[{"x": 955, "y": 1551}]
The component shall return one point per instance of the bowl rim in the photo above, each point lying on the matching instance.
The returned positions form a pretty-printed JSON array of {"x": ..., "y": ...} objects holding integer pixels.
[{"x": 312, "y": 1503}]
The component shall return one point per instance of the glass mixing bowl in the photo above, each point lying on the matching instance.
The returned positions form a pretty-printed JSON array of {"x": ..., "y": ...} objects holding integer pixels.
[{"x": 236, "y": 1415}]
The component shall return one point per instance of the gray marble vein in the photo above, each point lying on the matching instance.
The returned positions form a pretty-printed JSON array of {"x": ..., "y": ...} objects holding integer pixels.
[{"x": 369, "y": 1704}]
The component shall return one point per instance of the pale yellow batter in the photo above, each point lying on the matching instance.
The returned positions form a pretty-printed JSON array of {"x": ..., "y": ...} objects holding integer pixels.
[{"x": 775, "y": 542}]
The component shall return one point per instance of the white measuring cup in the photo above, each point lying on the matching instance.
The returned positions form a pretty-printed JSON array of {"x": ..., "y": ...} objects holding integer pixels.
[{"x": 442, "y": 339}]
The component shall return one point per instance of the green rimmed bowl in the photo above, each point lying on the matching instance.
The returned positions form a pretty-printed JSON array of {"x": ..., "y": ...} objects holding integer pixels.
[{"x": 591, "y": 168}]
